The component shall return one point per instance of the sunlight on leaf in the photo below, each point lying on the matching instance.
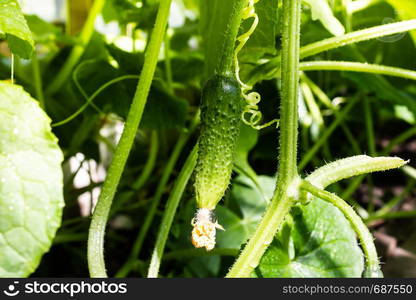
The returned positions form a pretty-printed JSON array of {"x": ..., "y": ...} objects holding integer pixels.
[
  {"x": 318, "y": 243},
  {"x": 31, "y": 198},
  {"x": 14, "y": 29}
]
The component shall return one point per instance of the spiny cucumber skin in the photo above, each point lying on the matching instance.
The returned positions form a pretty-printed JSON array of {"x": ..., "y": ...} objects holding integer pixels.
[{"x": 221, "y": 108}]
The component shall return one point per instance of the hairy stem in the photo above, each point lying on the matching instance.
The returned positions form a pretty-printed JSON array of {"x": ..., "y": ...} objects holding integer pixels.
[
  {"x": 357, "y": 67},
  {"x": 226, "y": 62},
  {"x": 352, "y": 166},
  {"x": 96, "y": 261},
  {"x": 357, "y": 36},
  {"x": 283, "y": 197},
  {"x": 271, "y": 68}
]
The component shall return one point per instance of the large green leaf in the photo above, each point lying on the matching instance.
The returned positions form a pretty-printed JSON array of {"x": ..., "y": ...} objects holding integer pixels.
[
  {"x": 164, "y": 110},
  {"x": 316, "y": 242},
  {"x": 14, "y": 29},
  {"x": 406, "y": 9},
  {"x": 239, "y": 226},
  {"x": 263, "y": 40},
  {"x": 31, "y": 198}
]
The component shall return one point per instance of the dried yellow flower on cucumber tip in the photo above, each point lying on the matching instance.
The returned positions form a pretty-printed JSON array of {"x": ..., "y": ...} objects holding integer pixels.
[{"x": 205, "y": 227}]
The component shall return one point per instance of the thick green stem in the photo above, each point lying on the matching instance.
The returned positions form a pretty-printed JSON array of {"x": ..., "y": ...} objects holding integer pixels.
[
  {"x": 79, "y": 48},
  {"x": 226, "y": 62},
  {"x": 286, "y": 190},
  {"x": 363, "y": 234},
  {"x": 96, "y": 262},
  {"x": 170, "y": 210}
]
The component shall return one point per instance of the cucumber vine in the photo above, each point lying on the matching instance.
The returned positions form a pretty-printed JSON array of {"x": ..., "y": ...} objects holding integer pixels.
[
  {"x": 220, "y": 103},
  {"x": 305, "y": 213}
]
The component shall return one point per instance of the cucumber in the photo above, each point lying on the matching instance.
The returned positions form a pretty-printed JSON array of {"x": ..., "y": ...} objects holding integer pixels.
[{"x": 221, "y": 108}]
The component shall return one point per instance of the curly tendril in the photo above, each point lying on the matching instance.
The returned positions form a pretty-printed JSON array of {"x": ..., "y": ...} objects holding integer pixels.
[{"x": 251, "y": 114}]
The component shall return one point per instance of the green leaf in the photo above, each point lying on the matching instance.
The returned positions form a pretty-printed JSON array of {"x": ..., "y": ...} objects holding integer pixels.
[
  {"x": 263, "y": 39},
  {"x": 321, "y": 11},
  {"x": 163, "y": 110},
  {"x": 406, "y": 9},
  {"x": 45, "y": 32},
  {"x": 317, "y": 241},
  {"x": 251, "y": 205},
  {"x": 402, "y": 112},
  {"x": 31, "y": 198},
  {"x": 246, "y": 141},
  {"x": 14, "y": 29},
  {"x": 130, "y": 11}
]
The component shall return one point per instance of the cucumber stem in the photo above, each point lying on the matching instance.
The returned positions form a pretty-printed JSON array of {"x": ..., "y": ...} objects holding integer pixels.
[
  {"x": 286, "y": 191},
  {"x": 225, "y": 65}
]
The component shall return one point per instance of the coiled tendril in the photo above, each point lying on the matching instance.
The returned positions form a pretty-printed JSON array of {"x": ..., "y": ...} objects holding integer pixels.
[{"x": 252, "y": 99}]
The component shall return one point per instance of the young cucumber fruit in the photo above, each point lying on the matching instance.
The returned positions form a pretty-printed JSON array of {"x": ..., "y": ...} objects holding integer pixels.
[{"x": 221, "y": 108}]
